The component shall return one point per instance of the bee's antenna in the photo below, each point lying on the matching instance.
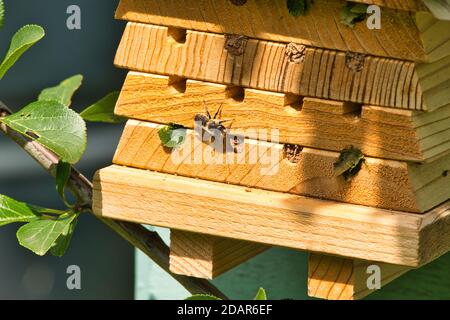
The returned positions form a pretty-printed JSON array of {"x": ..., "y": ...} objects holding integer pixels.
[
  {"x": 206, "y": 110},
  {"x": 219, "y": 110}
]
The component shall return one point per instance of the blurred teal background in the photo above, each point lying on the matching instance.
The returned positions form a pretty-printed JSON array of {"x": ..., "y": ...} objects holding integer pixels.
[{"x": 106, "y": 261}]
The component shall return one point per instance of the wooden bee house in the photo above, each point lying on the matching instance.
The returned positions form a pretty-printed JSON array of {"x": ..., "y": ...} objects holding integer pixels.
[{"x": 326, "y": 89}]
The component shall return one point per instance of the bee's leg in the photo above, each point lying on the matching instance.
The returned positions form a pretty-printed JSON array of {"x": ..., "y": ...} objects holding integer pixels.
[
  {"x": 227, "y": 120},
  {"x": 219, "y": 111}
]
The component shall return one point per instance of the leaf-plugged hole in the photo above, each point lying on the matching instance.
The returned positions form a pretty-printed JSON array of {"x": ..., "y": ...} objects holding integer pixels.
[{"x": 349, "y": 163}]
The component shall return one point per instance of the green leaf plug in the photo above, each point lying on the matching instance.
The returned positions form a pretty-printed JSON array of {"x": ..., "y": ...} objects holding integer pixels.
[{"x": 172, "y": 136}]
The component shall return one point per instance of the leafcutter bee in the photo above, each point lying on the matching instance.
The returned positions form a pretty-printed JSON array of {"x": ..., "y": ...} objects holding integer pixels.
[
  {"x": 212, "y": 125},
  {"x": 215, "y": 128}
]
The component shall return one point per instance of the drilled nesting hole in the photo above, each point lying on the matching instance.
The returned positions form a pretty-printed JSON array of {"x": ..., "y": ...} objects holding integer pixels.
[
  {"x": 177, "y": 34},
  {"x": 293, "y": 101},
  {"x": 353, "y": 109},
  {"x": 235, "y": 93},
  {"x": 177, "y": 84}
]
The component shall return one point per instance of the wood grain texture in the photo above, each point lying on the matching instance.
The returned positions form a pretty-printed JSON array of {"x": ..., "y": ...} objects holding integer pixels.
[
  {"x": 324, "y": 124},
  {"x": 270, "y": 20},
  {"x": 207, "y": 257},
  {"x": 337, "y": 278},
  {"x": 264, "y": 65},
  {"x": 380, "y": 183},
  {"x": 272, "y": 218}
]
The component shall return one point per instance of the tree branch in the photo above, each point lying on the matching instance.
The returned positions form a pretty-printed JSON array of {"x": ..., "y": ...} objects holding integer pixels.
[{"x": 149, "y": 242}]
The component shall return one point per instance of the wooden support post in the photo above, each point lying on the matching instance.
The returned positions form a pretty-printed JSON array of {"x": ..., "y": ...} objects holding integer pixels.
[
  {"x": 336, "y": 278},
  {"x": 203, "y": 256}
]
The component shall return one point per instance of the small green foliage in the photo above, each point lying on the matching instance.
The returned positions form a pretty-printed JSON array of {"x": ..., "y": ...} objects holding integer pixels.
[
  {"x": 353, "y": 13},
  {"x": 173, "y": 135},
  {"x": 349, "y": 163},
  {"x": 45, "y": 229},
  {"x": 12, "y": 211},
  {"x": 62, "y": 243},
  {"x": 261, "y": 294},
  {"x": 53, "y": 125},
  {"x": 2, "y": 13},
  {"x": 103, "y": 110},
  {"x": 24, "y": 39},
  {"x": 63, "y": 170},
  {"x": 63, "y": 92},
  {"x": 204, "y": 297},
  {"x": 298, "y": 7},
  {"x": 40, "y": 236}
]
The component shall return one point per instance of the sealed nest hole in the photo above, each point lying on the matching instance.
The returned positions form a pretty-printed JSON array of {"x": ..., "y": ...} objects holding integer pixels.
[{"x": 292, "y": 152}]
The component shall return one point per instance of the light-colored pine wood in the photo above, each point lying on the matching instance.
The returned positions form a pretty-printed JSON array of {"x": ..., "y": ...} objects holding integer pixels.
[
  {"x": 399, "y": 36},
  {"x": 207, "y": 257},
  {"x": 272, "y": 218},
  {"x": 324, "y": 124},
  {"x": 264, "y": 65},
  {"x": 380, "y": 183},
  {"x": 337, "y": 278}
]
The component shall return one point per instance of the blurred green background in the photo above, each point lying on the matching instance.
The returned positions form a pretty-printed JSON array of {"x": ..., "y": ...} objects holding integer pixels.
[{"x": 106, "y": 261}]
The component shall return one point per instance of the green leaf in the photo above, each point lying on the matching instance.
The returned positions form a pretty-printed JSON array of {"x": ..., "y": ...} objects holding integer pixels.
[
  {"x": 14, "y": 211},
  {"x": 199, "y": 297},
  {"x": 2, "y": 13},
  {"x": 62, "y": 243},
  {"x": 53, "y": 125},
  {"x": 172, "y": 136},
  {"x": 261, "y": 295},
  {"x": 103, "y": 110},
  {"x": 63, "y": 92},
  {"x": 298, "y": 7},
  {"x": 349, "y": 163},
  {"x": 352, "y": 13},
  {"x": 24, "y": 39},
  {"x": 63, "y": 170},
  {"x": 39, "y": 236}
]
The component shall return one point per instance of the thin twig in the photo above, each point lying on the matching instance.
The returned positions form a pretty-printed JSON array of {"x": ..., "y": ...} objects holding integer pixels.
[{"x": 149, "y": 242}]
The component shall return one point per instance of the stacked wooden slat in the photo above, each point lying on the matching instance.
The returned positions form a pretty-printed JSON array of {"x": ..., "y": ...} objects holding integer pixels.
[{"x": 324, "y": 87}]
